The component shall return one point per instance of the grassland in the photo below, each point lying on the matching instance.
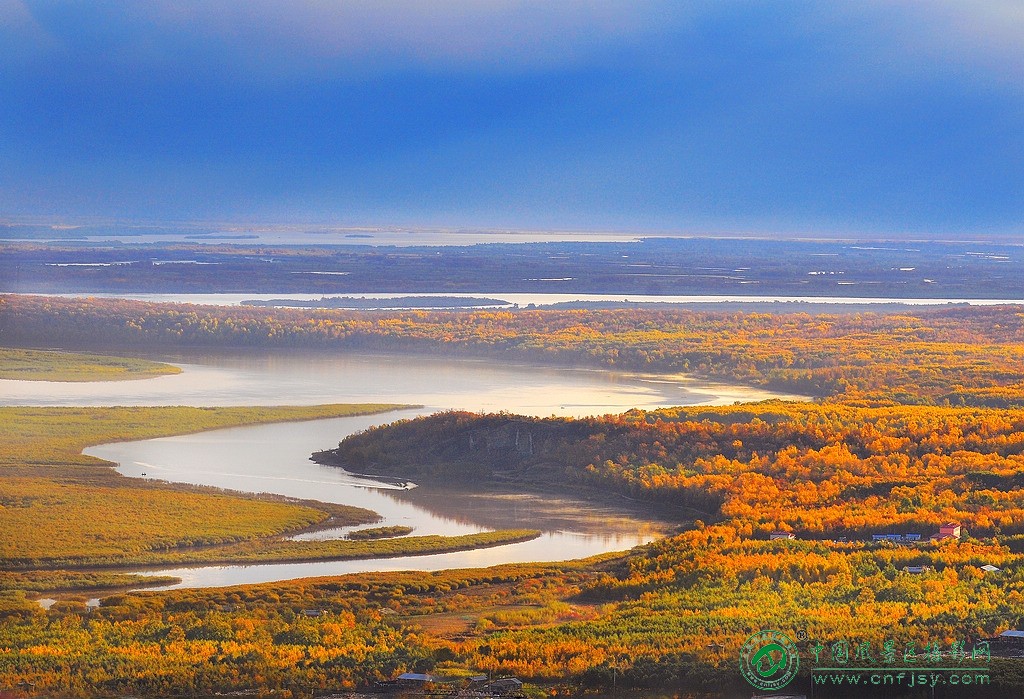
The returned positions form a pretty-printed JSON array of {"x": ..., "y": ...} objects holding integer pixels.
[
  {"x": 50, "y": 581},
  {"x": 45, "y": 522},
  {"x": 63, "y": 514},
  {"x": 276, "y": 550},
  {"x": 58, "y": 506},
  {"x": 36, "y": 437},
  {"x": 45, "y": 365}
]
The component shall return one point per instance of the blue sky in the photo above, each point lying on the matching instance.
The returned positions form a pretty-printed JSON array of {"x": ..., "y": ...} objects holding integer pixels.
[{"x": 808, "y": 118}]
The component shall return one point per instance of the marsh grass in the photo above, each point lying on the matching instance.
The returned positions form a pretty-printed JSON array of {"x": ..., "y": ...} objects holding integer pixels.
[
  {"x": 47, "y": 365},
  {"x": 59, "y": 508}
]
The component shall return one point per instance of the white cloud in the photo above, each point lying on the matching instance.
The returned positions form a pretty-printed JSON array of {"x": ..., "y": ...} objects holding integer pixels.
[
  {"x": 21, "y": 36},
  {"x": 983, "y": 37},
  {"x": 447, "y": 34},
  {"x": 287, "y": 38}
]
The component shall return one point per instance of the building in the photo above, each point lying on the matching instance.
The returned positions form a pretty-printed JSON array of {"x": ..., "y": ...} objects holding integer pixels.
[
  {"x": 505, "y": 686},
  {"x": 781, "y": 535},
  {"x": 415, "y": 679},
  {"x": 1013, "y": 637},
  {"x": 947, "y": 531}
]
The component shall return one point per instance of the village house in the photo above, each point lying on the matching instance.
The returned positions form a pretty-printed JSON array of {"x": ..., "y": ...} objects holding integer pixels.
[
  {"x": 506, "y": 686},
  {"x": 416, "y": 679},
  {"x": 1009, "y": 642},
  {"x": 947, "y": 531}
]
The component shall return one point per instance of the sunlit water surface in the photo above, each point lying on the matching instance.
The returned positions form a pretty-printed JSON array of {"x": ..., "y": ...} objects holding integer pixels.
[{"x": 275, "y": 458}]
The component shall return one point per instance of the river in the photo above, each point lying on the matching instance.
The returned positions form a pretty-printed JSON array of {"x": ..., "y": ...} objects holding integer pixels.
[
  {"x": 275, "y": 378},
  {"x": 275, "y": 458}
]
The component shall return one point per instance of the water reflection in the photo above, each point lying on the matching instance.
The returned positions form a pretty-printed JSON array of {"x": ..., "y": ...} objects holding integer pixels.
[
  {"x": 309, "y": 379},
  {"x": 513, "y": 510},
  {"x": 275, "y": 459},
  {"x": 551, "y": 546}
]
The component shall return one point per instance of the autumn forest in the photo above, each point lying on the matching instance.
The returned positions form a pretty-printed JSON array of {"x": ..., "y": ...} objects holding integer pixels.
[{"x": 780, "y": 509}]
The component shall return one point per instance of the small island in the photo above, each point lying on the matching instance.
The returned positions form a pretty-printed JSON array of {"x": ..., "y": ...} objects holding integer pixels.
[{"x": 379, "y": 533}]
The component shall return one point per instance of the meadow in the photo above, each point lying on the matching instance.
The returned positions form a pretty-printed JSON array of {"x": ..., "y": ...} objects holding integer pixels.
[
  {"x": 41, "y": 365},
  {"x": 61, "y": 508}
]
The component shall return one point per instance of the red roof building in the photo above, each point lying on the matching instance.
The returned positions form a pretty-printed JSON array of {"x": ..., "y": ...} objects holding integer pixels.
[{"x": 947, "y": 531}]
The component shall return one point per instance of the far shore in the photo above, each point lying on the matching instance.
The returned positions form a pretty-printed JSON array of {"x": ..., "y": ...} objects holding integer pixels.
[{"x": 728, "y": 394}]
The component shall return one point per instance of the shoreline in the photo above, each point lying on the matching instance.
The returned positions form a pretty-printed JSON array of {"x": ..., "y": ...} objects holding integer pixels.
[
  {"x": 548, "y": 299},
  {"x": 730, "y": 394}
]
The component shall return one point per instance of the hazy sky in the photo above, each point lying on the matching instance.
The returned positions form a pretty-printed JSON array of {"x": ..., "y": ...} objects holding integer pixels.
[{"x": 800, "y": 117}]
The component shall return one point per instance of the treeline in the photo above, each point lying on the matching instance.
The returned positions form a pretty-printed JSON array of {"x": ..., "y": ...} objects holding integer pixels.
[
  {"x": 671, "y": 618},
  {"x": 823, "y": 471},
  {"x": 962, "y": 356}
]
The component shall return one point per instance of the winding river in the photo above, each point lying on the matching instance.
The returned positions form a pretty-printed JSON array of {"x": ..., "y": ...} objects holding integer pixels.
[{"x": 275, "y": 458}]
